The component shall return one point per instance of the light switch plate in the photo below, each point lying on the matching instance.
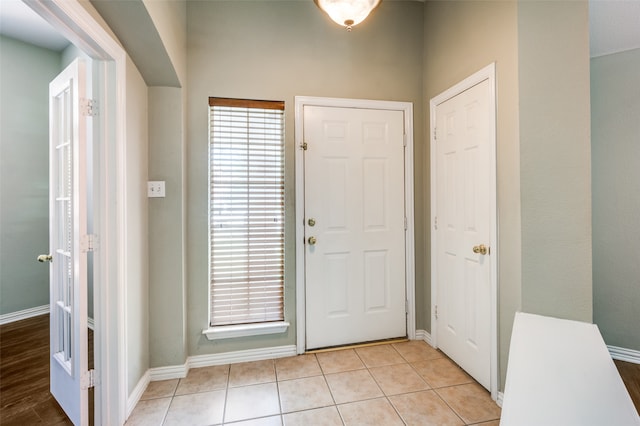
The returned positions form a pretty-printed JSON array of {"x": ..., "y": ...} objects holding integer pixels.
[{"x": 155, "y": 189}]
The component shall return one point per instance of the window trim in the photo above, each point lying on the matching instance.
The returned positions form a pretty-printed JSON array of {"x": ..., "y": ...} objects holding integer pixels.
[{"x": 243, "y": 330}]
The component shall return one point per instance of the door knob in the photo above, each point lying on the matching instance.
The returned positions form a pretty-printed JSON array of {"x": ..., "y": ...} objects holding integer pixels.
[
  {"x": 481, "y": 249},
  {"x": 45, "y": 258},
  {"x": 312, "y": 241}
]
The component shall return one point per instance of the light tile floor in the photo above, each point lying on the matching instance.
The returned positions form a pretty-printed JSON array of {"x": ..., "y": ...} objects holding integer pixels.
[{"x": 407, "y": 383}]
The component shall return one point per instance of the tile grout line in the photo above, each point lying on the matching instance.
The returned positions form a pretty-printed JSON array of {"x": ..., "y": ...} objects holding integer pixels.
[
  {"x": 226, "y": 396},
  {"x": 173, "y": 394},
  {"x": 278, "y": 391},
  {"x": 387, "y": 396},
  {"x": 447, "y": 403},
  {"x": 333, "y": 398},
  {"x": 433, "y": 389}
]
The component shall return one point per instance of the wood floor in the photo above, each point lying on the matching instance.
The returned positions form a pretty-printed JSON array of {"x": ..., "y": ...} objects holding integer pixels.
[
  {"x": 630, "y": 374},
  {"x": 24, "y": 375}
]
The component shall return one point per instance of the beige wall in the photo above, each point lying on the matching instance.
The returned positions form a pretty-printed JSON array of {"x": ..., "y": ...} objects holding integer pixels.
[
  {"x": 275, "y": 51},
  {"x": 615, "y": 109}
]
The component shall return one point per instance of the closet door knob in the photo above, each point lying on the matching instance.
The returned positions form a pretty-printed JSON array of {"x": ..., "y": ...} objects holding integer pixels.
[{"x": 481, "y": 249}]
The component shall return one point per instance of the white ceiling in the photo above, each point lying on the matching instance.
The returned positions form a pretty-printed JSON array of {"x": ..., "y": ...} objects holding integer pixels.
[
  {"x": 18, "y": 21},
  {"x": 614, "y": 26}
]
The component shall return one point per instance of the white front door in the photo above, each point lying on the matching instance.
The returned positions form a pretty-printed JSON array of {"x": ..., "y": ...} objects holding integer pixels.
[
  {"x": 354, "y": 225},
  {"x": 68, "y": 243},
  {"x": 463, "y": 255}
]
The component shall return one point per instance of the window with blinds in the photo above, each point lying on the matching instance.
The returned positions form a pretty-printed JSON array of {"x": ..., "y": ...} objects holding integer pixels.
[{"x": 246, "y": 211}]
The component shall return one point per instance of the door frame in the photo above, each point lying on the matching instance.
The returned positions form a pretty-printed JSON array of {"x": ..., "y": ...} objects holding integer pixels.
[
  {"x": 78, "y": 25},
  {"x": 407, "y": 109},
  {"x": 487, "y": 73}
]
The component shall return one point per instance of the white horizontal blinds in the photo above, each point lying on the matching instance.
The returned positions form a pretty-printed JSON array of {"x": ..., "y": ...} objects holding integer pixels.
[{"x": 246, "y": 205}]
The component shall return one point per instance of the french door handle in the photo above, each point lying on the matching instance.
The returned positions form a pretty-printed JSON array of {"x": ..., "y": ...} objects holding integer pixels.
[{"x": 45, "y": 258}]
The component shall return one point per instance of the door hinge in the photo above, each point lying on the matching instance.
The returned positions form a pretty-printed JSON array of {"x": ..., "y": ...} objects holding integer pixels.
[
  {"x": 89, "y": 107},
  {"x": 435, "y": 137},
  {"x": 435, "y": 223},
  {"x": 436, "y": 311},
  {"x": 89, "y": 379},
  {"x": 404, "y": 140},
  {"x": 88, "y": 243},
  {"x": 304, "y": 146},
  {"x": 406, "y": 224}
]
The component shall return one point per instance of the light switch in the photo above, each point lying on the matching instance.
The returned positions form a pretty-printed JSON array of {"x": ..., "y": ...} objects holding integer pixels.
[{"x": 155, "y": 189}]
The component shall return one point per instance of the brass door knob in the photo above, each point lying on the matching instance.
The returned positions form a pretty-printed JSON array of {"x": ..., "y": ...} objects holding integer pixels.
[
  {"x": 45, "y": 258},
  {"x": 311, "y": 222},
  {"x": 312, "y": 241},
  {"x": 481, "y": 249}
]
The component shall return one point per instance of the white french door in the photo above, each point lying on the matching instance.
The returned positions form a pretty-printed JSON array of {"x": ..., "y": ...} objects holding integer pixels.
[
  {"x": 68, "y": 242},
  {"x": 463, "y": 240},
  {"x": 354, "y": 208}
]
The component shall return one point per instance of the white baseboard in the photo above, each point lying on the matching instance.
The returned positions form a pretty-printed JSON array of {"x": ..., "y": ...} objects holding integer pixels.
[
  {"x": 135, "y": 396},
  {"x": 23, "y": 314},
  {"x": 424, "y": 335},
  {"x": 180, "y": 371},
  {"x": 241, "y": 356},
  {"x": 168, "y": 373},
  {"x": 623, "y": 354}
]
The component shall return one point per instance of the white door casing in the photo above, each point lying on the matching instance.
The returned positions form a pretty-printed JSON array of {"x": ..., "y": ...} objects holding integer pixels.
[
  {"x": 352, "y": 181},
  {"x": 67, "y": 233},
  {"x": 463, "y": 218}
]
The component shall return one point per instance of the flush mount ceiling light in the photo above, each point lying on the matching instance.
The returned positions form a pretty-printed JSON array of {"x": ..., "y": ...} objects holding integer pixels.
[{"x": 347, "y": 12}]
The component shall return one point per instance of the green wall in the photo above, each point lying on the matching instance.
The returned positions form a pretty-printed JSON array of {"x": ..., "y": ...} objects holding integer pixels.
[
  {"x": 615, "y": 143},
  {"x": 462, "y": 37},
  {"x": 541, "y": 51},
  {"x": 555, "y": 158},
  {"x": 136, "y": 257},
  {"x": 167, "y": 296},
  {"x": 406, "y": 51},
  {"x": 277, "y": 50},
  {"x": 25, "y": 73}
]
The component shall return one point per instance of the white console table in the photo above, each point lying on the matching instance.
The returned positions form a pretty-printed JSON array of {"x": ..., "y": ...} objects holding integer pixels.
[{"x": 561, "y": 373}]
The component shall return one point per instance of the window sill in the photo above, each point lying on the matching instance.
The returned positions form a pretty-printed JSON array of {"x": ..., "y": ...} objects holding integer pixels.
[{"x": 244, "y": 330}]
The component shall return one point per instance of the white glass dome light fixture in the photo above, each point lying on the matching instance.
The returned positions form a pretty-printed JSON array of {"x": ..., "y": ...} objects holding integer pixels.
[{"x": 347, "y": 13}]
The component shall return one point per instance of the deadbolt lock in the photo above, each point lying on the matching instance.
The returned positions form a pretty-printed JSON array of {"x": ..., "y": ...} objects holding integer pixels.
[{"x": 311, "y": 222}]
